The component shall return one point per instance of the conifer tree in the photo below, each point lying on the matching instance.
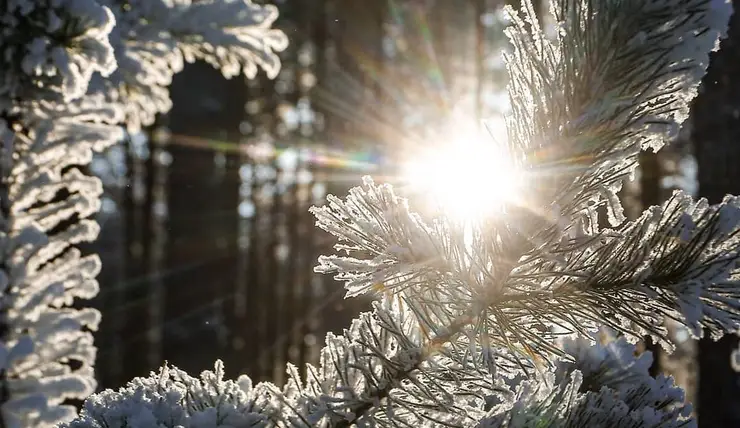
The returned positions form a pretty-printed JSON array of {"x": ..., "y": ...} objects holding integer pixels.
[
  {"x": 495, "y": 322},
  {"x": 72, "y": 72}
]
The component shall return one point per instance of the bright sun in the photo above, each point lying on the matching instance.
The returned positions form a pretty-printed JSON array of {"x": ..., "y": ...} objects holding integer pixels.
[{"x": 469, "y": 177}]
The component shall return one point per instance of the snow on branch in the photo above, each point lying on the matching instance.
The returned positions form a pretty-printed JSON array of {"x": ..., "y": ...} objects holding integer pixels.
[
  {"x": 50, "y": 48},
  {"x": 678, "y": 260},
  {"x": 365, "y": 377},
  {"x": 606, "y": 386},
  {"x": 375, "y": 223},
  {"x": 618, "y": 77},
  {"x": 467, "y": 311},
  {"x": 56, "y": 109},
  {"x": 356, "y": 384},
  {"x": 172, "y": 398},
  {"x": 48, "y": 347},
  {"x": 615, "y": 80},
  {"x": 153, "y": 39}
]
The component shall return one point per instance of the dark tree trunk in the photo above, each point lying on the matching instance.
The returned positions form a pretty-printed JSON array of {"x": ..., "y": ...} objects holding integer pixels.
[
  {"x": 132, "y": 317},
  {"x": 650, "y": 194},
  {"x": 203, "y": 191},
  {"x": 716, "y": 136}
]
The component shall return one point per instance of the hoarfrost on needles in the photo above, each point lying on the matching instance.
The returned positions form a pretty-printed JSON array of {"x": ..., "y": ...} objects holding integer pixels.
[
  {"x": 172, "y": 398},
  {"x": 466, "y": 324},
  {"x": 604, "y": 385},
  {"x": 63, "y": 96},
  {"x": 154, "y": 38}
]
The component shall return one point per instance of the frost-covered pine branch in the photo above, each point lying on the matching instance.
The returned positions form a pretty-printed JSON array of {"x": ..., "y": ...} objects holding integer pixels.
[
  {"x": 468, "y": 324},
  {"x": 604, "y": 385},
  {"x": 51, "y": 121},
  {"x": 154, "y": 38},
  {"x": 177, "y": 398},
  {"x": 581, "y": 142}
]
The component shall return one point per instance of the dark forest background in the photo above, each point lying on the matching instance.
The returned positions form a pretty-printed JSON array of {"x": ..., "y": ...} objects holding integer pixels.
[{"x": 207, "y": 244}]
